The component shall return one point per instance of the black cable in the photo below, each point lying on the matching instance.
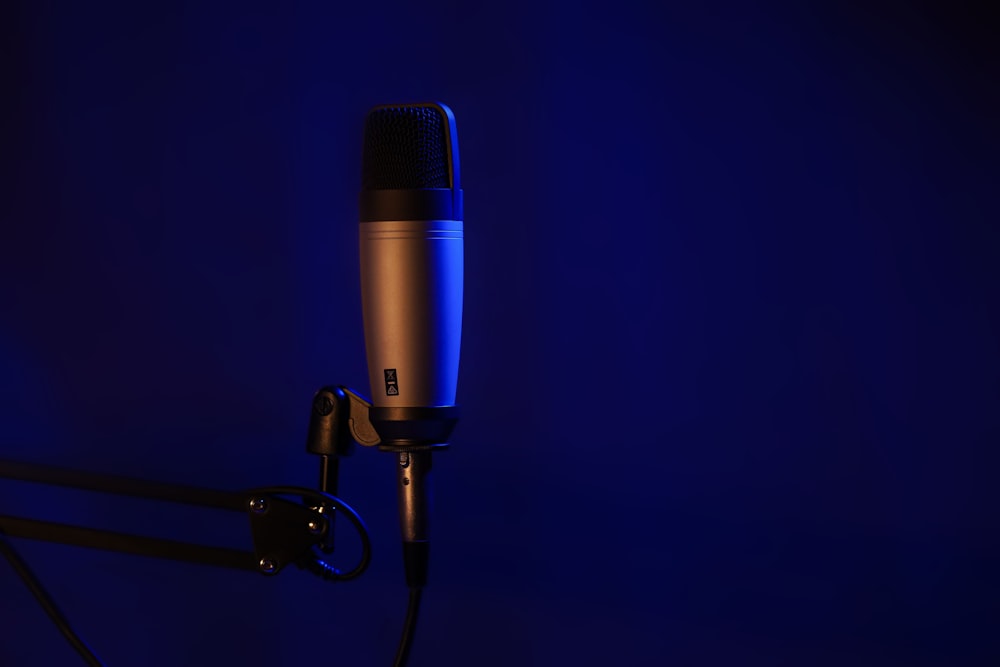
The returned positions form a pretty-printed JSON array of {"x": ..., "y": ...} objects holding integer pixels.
[
  {"x": 45, "y": 600},
  {"x": 409, "y": 628}
]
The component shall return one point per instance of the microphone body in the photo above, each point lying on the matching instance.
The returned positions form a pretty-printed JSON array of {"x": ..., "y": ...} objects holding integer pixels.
[
  {"x": 412, "y": 264},
  {"x": 411, "y": 278}
]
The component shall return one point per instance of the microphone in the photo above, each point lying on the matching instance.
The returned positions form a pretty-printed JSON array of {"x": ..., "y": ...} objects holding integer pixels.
[{"x": 411, "y": 245}]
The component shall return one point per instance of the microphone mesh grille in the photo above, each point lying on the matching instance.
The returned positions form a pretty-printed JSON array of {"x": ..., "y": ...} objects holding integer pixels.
[{"x": 405, "y": 148}]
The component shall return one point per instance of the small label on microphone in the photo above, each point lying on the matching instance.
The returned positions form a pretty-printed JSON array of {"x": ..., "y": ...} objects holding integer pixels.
[{"x": 391, "y": 386}]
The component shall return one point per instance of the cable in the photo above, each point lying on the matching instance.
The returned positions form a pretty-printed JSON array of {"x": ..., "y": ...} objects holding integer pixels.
[
  {"x": 409, "y": 628},
  {"x": 45, "y": 600}
]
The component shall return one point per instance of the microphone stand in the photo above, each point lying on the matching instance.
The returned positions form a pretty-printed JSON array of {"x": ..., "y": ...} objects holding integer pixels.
[{"x": 282, "y": 531}]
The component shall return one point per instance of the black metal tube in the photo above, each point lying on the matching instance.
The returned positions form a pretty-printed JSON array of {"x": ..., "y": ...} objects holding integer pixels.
[
  {"x": 124, "y": 543},
  {"x": 329, "y": 470},
  {"x": 123, "y": 486}
]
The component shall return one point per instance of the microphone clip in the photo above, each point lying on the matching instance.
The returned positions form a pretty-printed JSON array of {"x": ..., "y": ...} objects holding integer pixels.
[{"x": 341, "y": 416}]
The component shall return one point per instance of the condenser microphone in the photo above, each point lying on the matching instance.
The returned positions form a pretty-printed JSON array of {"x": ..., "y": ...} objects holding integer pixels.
[{"x": 411, "y": 243}]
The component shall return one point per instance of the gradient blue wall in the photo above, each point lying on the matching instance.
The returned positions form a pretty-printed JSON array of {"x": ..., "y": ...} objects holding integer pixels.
[{"x": 731, "y": 347}]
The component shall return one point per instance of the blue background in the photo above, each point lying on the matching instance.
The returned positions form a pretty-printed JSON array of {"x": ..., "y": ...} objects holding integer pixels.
[{"x": 730, "y": 364}]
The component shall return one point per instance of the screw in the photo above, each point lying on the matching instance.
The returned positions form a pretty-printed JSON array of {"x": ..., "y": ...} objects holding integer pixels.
[
  {"x": 268, "y": 566},
  {"x": 323, "y": 404},
  {"x": 258, "y": 505}
]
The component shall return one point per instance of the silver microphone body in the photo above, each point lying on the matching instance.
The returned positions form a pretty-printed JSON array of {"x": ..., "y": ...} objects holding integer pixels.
[{"x": 411, "y": 286}]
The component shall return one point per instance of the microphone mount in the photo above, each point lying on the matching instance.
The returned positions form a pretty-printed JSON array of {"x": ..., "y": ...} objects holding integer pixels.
[
  {"x": 288, "y": 524},
  {"x": 282, "y": 531}
]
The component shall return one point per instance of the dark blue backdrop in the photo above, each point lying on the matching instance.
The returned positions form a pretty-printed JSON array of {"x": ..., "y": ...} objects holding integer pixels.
[{"x": 730, "y": 371}]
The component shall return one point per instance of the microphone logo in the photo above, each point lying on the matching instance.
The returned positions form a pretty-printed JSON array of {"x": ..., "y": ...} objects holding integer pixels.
[{"x": 391, "y": 386}]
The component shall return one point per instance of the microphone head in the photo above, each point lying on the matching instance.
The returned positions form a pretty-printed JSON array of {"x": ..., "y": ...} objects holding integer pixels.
[{"x": 410, "y": 147}]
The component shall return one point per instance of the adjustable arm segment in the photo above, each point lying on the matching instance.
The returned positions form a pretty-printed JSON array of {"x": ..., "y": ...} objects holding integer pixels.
[{"x": 283, "y": 531}]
